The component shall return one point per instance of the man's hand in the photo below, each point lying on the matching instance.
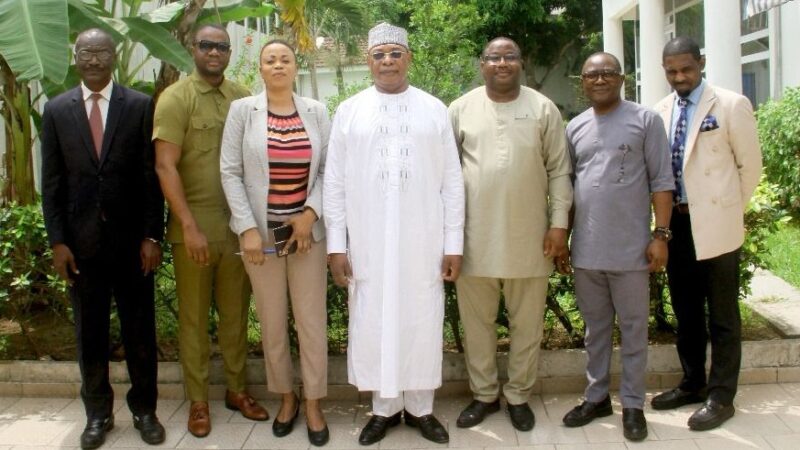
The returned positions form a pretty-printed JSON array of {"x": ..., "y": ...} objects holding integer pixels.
[
  {"x": 555, "y": 243},
  {"x": 301, "y": 230},
  {"x": 196, "y": 245},
  {"x": 64, "y": 262},
  {"x": 253, "y": 247},
  {"x": 563, "y": 265},
  {"x": 657, "y": 254},
  {"x": 340, "y": 269},
  {"x": 451, "y": 267},
  {"x": 150, "y": 254}
]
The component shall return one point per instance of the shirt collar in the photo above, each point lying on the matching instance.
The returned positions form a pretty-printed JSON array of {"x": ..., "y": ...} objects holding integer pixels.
[
  {"x": 202, "y": 85},
  {"x": 105, "y": 92},
  {"x": 694, "y": 96}
]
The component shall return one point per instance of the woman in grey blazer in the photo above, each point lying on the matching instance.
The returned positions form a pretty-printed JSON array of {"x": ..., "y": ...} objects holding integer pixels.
[{"x": 272, "y": 163}]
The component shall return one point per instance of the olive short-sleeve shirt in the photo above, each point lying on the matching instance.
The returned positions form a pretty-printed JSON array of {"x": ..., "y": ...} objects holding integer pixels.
[{"x": 191, "y": 114}]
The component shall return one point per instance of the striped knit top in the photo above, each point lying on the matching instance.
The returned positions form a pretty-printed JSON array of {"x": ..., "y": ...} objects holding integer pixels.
[{"x": 289, "y": 156}]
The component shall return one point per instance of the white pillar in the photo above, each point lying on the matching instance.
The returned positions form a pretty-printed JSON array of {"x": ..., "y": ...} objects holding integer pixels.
[
  {"x": 651, "y": 38},
  {"x": 723, "y": 50},
  {"x": 612, "y": 37}
]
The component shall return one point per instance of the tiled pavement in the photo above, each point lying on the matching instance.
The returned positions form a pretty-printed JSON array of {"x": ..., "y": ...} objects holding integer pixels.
[{"x": 767, "y": 416}]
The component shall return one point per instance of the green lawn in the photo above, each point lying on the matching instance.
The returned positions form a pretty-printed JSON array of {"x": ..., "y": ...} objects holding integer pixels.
[{"x": 784, "y": 253}]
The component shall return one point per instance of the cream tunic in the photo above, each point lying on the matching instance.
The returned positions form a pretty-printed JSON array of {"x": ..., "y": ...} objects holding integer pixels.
[{"x": 517, "y": 178}]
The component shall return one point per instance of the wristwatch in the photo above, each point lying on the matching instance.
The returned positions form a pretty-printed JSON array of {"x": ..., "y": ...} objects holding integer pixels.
[{"x": 662, "y": 233}]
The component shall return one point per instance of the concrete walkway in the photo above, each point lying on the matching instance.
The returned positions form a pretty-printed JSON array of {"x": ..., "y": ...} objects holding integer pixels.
[
  {"x": 777, "y": 301},
  {"x": 767, "y": 416}
]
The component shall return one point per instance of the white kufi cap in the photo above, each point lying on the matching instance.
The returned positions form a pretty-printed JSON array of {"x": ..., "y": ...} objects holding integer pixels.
[{"x": 384, "y": 33}]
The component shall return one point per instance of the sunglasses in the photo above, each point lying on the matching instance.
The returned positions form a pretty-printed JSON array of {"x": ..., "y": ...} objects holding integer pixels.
[
  {"x": 394, "y": 54},
  {"x": 604, "y": 74},
  {"x": 206, "y": 46}
]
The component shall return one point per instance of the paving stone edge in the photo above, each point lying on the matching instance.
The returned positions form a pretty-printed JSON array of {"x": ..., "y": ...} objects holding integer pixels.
[{"x": 560, "y": 371}]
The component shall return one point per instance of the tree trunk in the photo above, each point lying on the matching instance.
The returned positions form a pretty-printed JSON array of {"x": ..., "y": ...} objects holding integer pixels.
[
  {"x": 168, "y": 74},
  {"x": 19, "y": 183},
  {"x": 312, "y": 76},
  {"x": 339, "y": 77}
]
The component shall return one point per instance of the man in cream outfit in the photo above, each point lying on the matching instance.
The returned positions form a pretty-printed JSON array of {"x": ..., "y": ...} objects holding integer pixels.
[{"x": 716, "y": 161}]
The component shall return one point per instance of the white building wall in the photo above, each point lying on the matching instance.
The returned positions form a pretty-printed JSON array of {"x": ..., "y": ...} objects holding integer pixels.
[{"x": 790, "y": 44}]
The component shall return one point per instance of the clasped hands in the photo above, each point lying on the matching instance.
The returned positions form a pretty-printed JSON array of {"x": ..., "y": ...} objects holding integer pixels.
[{"x": 252, "y": 244}]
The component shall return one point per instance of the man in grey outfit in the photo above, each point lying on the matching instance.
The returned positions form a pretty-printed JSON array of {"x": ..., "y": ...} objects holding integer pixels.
[{"x": 621, "y": 165}]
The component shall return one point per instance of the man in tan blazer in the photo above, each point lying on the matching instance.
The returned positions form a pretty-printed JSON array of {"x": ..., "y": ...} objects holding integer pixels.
[{"x": 716, "y": 161}]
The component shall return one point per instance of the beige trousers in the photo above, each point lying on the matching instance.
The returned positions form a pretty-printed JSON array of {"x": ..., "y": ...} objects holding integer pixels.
[
  {"x": 478, "y": 300},
  {"x": 303, "y": 278}
]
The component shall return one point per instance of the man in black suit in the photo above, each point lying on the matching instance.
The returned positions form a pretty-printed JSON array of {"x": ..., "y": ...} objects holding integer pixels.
[{"x": 103, "y": 211}]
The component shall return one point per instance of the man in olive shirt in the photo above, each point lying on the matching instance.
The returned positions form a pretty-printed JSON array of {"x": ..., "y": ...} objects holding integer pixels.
[
  {"x": 518, "y": 191},
  {"x": 187, "y": 132}
]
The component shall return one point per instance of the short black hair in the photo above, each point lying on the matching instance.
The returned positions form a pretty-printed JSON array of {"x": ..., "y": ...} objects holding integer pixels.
[
  {"x": 617, "y": 64},
  {"x": 283, "y": 42},
  {"x": 215, "y": 26},
  {"x": 501, "y": 38},
  {"x": 682, "y": 45}
]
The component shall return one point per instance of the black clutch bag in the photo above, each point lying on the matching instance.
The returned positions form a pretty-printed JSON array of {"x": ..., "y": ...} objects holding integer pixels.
[{"x": 280, "y": 236}]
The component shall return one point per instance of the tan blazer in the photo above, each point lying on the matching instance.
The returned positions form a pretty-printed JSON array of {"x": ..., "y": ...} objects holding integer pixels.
[
  {"x": 721, "y": 168},
  {"x": 245, "y": 168}
]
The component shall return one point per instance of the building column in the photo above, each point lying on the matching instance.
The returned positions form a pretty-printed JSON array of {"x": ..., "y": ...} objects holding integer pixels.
[
  {"x": 613, "y": 41},
  {"x": 651, "y": 39},
  {"x": 612, "y": 36},
  {"x": 723, "y": 49}
]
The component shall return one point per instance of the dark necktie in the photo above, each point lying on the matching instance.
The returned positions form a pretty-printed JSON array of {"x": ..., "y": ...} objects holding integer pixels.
[
  {"x": 678, "y": 145},
  {"x": 96, "y": 123}
]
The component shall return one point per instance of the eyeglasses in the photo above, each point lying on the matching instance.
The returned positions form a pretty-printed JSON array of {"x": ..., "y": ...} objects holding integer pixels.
[
  {"x": 597, "y": 74},
  {"x": 206, "y": 46},
  {"x": 510, "y": 58},
  {"x": 394, "y": 54},
  {"x": 87, "y": 55}
]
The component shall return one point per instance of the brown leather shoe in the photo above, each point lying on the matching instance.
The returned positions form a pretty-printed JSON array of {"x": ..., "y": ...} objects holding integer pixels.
[
  {"x": 199, "y": 419},
  {"x": 246, "y": 405}
]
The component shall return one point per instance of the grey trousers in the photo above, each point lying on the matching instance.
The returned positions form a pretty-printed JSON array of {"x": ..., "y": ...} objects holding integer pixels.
[{"x": 601, "y": 294}]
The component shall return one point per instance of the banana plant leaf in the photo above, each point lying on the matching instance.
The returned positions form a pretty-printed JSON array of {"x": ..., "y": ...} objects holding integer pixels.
[{"x": 34, "y": 38}]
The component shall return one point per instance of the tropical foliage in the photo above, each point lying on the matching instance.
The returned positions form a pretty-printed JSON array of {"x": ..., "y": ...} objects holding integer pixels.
[{"x": 779, "y": 133}]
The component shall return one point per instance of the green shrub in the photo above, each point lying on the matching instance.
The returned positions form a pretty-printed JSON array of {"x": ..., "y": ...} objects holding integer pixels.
[
  {"x": 27, "y": 277},
  {"x": 779, "y": 133},
  {"x": 27, "y": 280},
  {"x": 763, "y": 217}
]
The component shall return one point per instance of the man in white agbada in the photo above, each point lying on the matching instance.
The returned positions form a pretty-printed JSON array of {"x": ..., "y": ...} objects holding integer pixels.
[{"x": 393, "y": 202}]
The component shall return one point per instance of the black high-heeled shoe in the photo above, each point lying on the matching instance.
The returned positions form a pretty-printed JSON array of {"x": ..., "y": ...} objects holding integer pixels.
[
  {"x": 281, "y": 429},
  {"x": 319, "y": 438}
]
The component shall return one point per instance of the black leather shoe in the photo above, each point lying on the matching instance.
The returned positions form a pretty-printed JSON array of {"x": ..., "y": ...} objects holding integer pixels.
[
  {"x": 149, "y": 428},
  {"x": 319, "y": 438},
  {"x": 429, "y": 426},
  {"x": 281, "y": 429},
  {"x": 587, "y": 412},
  {"x": 711, "y": 415},
  {"x": 521, "y": 416},
  {"x": 94, "y": 435},
  {"x": 475, "y": 412},
  {"x": 634, "y": 425},
  {"x": 375, "y": 430},
  {"x": 677, "y": 398}
]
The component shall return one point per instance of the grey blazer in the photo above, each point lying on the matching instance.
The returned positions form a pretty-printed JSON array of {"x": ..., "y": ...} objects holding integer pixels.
[{"x": 245, "y": 167}]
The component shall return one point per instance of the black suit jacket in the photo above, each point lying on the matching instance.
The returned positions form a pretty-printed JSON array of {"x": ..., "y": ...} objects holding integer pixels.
[{"x": 80, "y": 192}]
